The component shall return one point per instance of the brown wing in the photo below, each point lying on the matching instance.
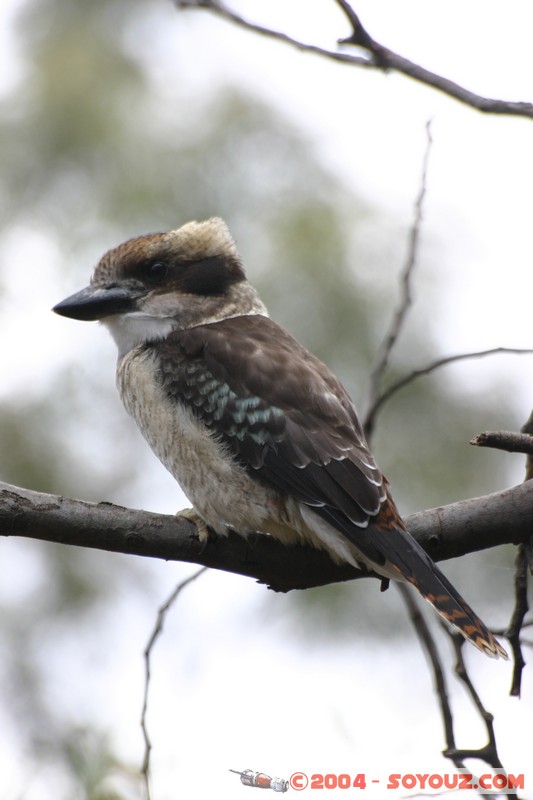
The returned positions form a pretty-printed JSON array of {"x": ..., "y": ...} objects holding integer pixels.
[
  {"x": 291, "y": 424},
  {"x": 283, "y": 414}
]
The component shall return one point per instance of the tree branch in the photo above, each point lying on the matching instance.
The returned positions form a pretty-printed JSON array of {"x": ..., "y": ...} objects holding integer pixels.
[
  {"x": 154, "y": 636},
  {"x": 489, "y": 752},
  {"x": 226, "y": 13},
  {"x": 448, "y": 532},
  {"x": 511, "y": 441},
  {"x": 516, "y": 623},
  {"x": 379, "y": 57},
  {"x": 434, "y": 365},
  {"x": 405, "y": 299},
  {"x": 428, "y": 643}
]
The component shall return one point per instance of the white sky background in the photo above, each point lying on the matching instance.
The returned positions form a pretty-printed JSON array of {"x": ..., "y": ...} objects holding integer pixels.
[{"x": 225, "y": 696}]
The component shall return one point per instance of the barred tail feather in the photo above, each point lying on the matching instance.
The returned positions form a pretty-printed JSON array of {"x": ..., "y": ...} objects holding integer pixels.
[
  {"x": 415, "y": 566},
  {"x": 450, "y": 605}
]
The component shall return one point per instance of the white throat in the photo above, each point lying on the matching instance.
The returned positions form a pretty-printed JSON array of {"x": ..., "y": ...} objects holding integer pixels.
[{"x": 134, "y": 328}]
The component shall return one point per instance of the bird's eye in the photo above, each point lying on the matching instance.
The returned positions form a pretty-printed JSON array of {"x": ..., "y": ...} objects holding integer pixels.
[{"x": 156, "y": 272}]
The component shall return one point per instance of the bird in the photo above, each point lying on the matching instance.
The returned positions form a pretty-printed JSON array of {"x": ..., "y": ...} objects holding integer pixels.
[{"x": 258, "y": 432}]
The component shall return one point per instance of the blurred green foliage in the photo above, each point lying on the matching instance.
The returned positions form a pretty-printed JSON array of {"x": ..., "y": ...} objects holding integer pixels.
[{"x": 91, "y": 152}]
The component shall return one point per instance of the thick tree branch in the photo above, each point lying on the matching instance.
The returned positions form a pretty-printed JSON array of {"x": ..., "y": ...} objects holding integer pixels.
[
  {"x": 448, "y": 532},
  {"x": 378, "y": 57}
]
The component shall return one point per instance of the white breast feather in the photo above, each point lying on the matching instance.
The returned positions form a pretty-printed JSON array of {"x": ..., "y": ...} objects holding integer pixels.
[{"x": 219, "y": 489}]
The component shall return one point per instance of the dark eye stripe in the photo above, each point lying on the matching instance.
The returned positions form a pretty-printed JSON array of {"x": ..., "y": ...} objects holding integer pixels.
[
  {"x": 210, "y": 276},
  {"x": 206, "y": 276}
]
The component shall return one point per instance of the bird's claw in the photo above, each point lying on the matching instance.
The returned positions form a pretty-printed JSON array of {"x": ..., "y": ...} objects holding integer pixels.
[{"x": 201, "y": 528}]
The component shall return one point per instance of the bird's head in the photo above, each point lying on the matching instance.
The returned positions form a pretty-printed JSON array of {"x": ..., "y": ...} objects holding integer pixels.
[{"x": 149, "y": 286}]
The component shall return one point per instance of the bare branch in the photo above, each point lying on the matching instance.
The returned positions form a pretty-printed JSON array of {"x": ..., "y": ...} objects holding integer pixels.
[
  {"x": 447, "y": 532},
  {"x": 360, "y": 35},
  {"x": 405, "y": 300},
  {"x": 488, "y": 753},
  {"x": 516, "y": 443},
  {"x": 510, "y": 441},
  {"x": 156, "y": 633},
  {"x": 379, "y": 57},
  {"x": 527, "y": 427},
  {"x": 237, "y": 19},
  {"x": 437, "y": 364},
  {"x": 428, "y": 643},
  {"x": 514, "y": 629}
]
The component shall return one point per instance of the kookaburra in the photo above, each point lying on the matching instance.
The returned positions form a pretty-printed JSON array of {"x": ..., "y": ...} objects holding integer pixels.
[{"x": 258, "y": 432}]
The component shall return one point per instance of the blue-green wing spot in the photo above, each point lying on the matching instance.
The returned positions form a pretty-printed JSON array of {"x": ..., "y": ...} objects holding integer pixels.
[
  {"x": 288, "y": 421},
  {"x": 241, "y": 379},
  {"x": 246, "y": 423}
]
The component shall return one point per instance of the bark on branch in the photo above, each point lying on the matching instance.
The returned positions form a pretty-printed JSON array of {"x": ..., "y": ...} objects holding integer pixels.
[
  {"x": 377, "y": 56},
  {"x": 451, "y": 531}
]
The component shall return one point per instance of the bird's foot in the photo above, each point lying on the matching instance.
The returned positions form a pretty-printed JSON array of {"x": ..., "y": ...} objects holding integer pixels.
[{"x": 191, "y": 515}]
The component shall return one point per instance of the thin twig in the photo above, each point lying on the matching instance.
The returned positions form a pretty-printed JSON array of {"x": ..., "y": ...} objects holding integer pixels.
[
  {"x": 457, "y": 756},
  {"x": 527, "y": 427},
  {"x": 510, "y": 441},
  {"x": 351, "y": 15},
  {"x": 406, "y": 296},
  {"x": 262, "y": 30},
  {"x": 437, "y": 364},
  {"x": 428, "y": 643},
  {"x": 528, "y": 550},
  {"x": 359, "y": 35},
  {"x": 380, "y": 57},
  {"x": 514, "y": 629},
  {"x": 488, "y": 753},
  {"x": 156, "y": 632},
  {"x": 516, "y": 443}
]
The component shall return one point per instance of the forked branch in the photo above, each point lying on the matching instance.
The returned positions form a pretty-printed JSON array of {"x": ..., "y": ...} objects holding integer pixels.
[{"x": 376, "y": 56}]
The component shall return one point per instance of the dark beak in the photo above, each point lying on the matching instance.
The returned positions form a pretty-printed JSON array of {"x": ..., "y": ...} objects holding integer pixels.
[{"x": 94, "y": 302}]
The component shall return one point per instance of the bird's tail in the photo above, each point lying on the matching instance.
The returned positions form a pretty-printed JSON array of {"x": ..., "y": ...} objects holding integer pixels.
[{"x": 410, "y": 562}]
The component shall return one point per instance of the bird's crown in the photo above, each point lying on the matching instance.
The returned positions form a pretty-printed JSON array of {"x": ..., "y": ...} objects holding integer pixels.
[
  {"x": 198, "y": 258},
  {"x": 152, "y": 285}
]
